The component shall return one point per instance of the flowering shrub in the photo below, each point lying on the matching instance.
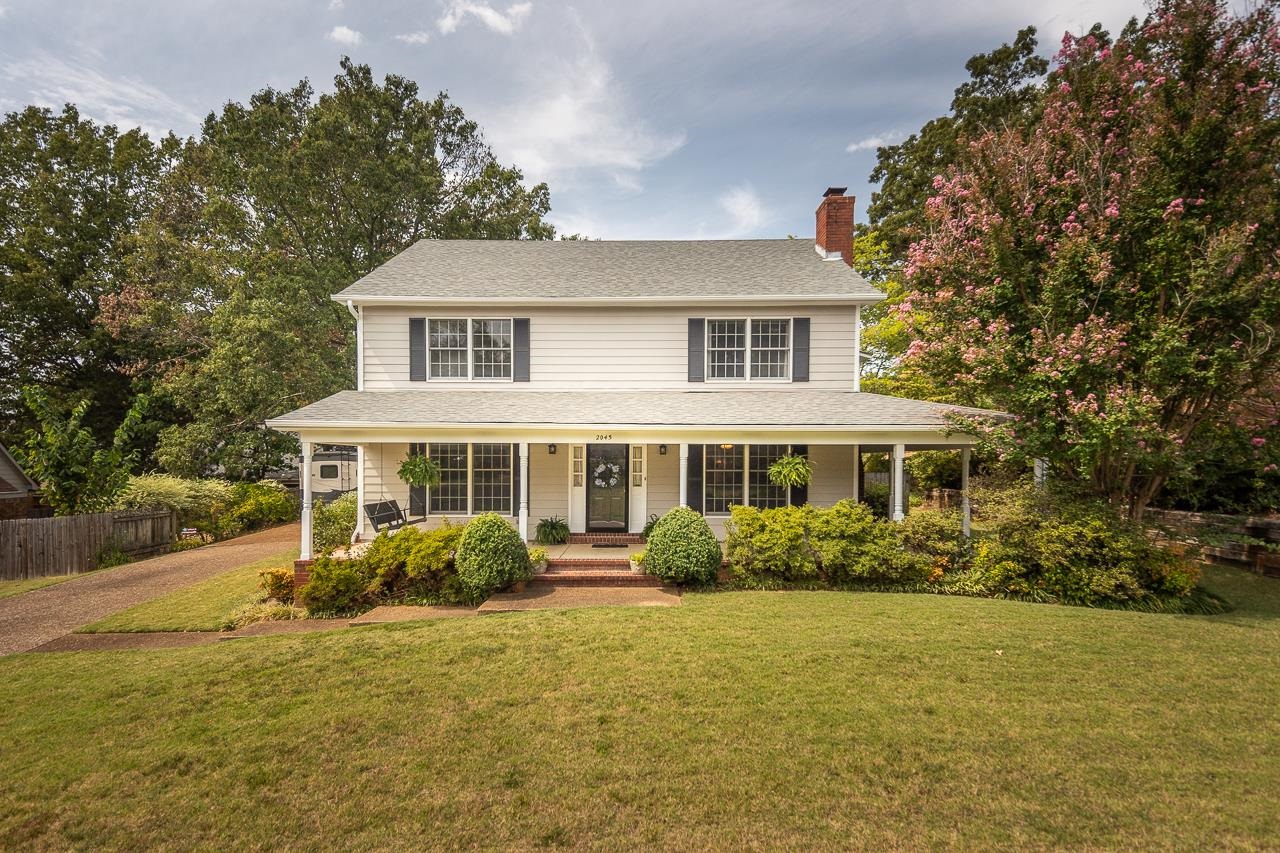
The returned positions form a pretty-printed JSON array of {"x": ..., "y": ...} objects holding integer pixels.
[{"x": 1111, "y": 274}]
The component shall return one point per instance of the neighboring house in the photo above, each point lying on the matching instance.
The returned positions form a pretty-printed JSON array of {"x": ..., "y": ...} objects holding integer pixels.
[
  {"x": 17, "y": 490},
  {"x": 604, "y": 381}
]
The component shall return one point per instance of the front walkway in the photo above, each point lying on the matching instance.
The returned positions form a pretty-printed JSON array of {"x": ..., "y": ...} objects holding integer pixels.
[{"x": 37, "y": 617}]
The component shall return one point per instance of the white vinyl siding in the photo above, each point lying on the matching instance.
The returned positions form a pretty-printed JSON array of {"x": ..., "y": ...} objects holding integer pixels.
[{"x": 622, "y": 348}]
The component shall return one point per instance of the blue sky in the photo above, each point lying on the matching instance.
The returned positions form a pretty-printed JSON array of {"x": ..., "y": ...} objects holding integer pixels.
[{"x": 654, "y": 119}]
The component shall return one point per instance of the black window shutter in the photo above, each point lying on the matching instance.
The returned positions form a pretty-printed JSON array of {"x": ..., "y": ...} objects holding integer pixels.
[
  {"x": 693, "y": 483},
  {"x": 800, "y": 494},
  {"x": 520, "y": 349},
  {"x": 417, "y": 494},
  {"x": 515, "y": 478},
  {"x": 417, "y": 349},
  {"x": 800, "y": 349},
  {"x": 697, "y": 346}
]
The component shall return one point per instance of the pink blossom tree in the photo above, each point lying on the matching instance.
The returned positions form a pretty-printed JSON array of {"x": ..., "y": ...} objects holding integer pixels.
[{"x": 1111, "y": 274}]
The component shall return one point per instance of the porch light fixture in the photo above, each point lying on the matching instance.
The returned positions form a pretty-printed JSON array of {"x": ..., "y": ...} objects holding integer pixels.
[
  {"x": 726, "y": 447},
  {"x": 662, "y": 450},
  {"x": 551, "y": 450}
]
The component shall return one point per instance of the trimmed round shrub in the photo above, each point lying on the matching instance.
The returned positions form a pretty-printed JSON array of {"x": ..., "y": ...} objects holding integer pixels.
[
  {"x": 490, "y": 556},
  {"x": 682, "y": 549}
]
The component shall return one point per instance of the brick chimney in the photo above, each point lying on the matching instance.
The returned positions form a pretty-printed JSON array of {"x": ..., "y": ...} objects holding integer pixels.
[{"x": 835, "y": 225}]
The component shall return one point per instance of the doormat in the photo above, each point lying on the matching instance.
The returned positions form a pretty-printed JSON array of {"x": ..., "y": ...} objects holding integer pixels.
[{"x": 609, "y": 545}]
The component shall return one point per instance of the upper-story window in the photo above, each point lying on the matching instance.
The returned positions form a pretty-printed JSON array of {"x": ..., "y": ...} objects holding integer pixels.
[
  {"x": 755, "y": 348},
  {"x": 469, "y": 349}
]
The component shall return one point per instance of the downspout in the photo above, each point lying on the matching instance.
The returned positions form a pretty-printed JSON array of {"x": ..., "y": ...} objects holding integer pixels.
[{"x": 358, "y": 314}]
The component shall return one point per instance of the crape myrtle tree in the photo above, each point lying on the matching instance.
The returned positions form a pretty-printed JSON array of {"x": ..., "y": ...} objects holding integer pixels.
[
  {"x": 277, "y": 205},
  {"x": 1110, "y": 275}
]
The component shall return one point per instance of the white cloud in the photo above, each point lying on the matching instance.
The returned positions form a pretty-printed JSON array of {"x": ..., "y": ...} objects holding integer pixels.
[
  {"x": 123, "y": 101},
  {"x": 345, "y": 36},
  {"x": 575, "y": 123},
  {"x": 336, "y": 5},
  {"x": 745, "y": 210},
  {"x": 500, "y": 22},
  {"x": 419, "y": 37},
  {"x": 871, "y": 143}
]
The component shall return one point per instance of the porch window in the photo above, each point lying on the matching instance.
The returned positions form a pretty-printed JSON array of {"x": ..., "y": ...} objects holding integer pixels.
[
  {"x": 491, "y": 478},
  {"x": 450, "y": 496},
  {"x": 761, "y": 492},
  {"x": 748, "y": 349},
  {"x": 491, "y": 349},
  {"x": 722, "y": 478}
]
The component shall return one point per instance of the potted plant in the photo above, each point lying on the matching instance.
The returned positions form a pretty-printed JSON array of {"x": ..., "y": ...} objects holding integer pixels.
[
  {"x": 538, "y": 560},
  {"x": 790, "y": 471},
  {"x": 637, "y": 562},
  {"x": 551, "y": 531}
]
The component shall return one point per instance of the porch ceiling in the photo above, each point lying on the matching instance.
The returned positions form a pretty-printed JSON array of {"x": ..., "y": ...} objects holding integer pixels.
[{"x": 505, "y": 409}]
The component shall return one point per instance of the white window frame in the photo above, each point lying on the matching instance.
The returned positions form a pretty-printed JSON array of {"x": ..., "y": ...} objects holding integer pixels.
[
  {"x": 471, "y": 496},
  {"x": 746, "y": 372},
  {"x": 471, "y": 351},
  {"x": 746, "y": 477}
]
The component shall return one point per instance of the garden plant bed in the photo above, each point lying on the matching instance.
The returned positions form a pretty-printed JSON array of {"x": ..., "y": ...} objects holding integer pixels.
[{"x": 762, "y": 719}]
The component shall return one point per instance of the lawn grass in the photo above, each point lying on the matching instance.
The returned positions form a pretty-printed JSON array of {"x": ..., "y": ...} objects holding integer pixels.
[
  {"x": 201, "y": 607},
  {"x": 8, "y": 588},
  {"x": 797, "y": 720}
]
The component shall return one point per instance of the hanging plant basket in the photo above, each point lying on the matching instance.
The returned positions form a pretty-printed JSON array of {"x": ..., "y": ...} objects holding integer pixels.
[
  {"x": 420, "y": 471},
  {"x": 790, "y": 471}
]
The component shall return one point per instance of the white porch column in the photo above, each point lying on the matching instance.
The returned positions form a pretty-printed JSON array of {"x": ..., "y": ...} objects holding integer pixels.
[
  {"x": 304, "y": 551},
  {"x": 684, "y": 475},
  {"x": 965, "y": 508},
  {"x": 899, "y": 483},
  {"x": 524, "y": 491},
  {"x": 355, "y": 534}
]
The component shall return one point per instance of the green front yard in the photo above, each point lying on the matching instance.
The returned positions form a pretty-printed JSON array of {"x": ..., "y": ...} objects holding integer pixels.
[{"x": 739, "y": 719}]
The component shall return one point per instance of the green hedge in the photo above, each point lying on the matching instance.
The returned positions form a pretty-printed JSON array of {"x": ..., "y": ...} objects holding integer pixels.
[
  {"x": 682, "y": 549},
  {"x": 333, "y": 523}
]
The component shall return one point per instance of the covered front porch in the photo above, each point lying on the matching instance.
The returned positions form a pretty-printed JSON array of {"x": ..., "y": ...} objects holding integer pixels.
[{"x": 606, "y": 462}]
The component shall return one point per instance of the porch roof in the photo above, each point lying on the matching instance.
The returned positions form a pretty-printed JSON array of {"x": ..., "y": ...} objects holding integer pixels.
[{"x": 497, "y": 407}]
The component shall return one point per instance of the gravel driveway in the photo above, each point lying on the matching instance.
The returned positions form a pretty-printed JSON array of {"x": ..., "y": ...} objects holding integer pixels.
[{"x": 34, "y": 618}]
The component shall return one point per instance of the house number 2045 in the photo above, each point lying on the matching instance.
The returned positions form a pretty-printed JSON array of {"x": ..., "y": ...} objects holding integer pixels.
[{"x": 604, "y": 436}]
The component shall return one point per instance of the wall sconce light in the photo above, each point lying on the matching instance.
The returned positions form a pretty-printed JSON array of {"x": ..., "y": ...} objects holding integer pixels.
[
  {"x": 662, "y": 450},
  {"x": 726, "y": 447},
  {"x": 551, "y": 450}
]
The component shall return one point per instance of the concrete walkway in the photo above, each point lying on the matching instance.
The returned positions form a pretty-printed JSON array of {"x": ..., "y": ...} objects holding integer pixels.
[
  {"x": 561, "y": 597},
  {"x": 35, "y": 618}
]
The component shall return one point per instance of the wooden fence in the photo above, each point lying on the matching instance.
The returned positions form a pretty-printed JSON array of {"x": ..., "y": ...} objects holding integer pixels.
[{"x": 41, "y": 547}]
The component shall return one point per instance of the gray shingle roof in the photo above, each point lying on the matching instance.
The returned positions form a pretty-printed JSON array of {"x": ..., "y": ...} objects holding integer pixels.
[
  {"x": 619, "y": 269},
  {"x": 766, "y": 408}
]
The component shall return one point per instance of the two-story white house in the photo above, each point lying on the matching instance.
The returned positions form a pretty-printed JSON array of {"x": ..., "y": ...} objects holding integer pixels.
[{"x": 602, "y": 381}]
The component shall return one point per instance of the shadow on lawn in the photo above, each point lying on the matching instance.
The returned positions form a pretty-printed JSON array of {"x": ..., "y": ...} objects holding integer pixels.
[{"x": 1251, "y": 595}]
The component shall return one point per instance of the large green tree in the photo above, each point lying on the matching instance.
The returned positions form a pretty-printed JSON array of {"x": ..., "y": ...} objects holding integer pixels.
[
  {"x": 280, "y": 203},
  {"x": 1111, "y": 274},
  {"x": 1002, "y": 90},
  {"x": 71, "y": 194}
]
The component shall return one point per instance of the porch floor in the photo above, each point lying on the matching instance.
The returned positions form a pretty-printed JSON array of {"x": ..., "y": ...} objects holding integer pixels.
[{"x": 575, "y": 551}]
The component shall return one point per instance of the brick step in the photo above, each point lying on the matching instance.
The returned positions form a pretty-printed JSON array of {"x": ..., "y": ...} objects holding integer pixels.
[
  {"x": 606, "y": 539},
  {"x": 600, "y": 578},
  {"x": 621, "y": 564}
]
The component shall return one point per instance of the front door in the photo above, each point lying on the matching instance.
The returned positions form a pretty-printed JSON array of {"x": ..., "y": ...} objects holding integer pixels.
[{"x": 607, "y": 488}]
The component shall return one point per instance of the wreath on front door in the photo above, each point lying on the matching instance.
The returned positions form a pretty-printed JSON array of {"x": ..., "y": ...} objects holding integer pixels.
[{"x": 607, "y": 475}]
